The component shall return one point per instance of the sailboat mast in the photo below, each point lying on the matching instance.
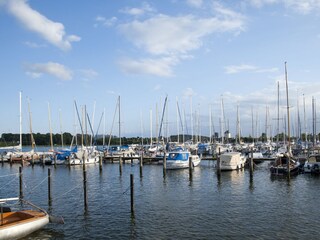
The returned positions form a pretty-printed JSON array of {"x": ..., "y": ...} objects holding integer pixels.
[
  {"x": 288, "y": 112},
  {"x": 50, "y": 128},
  {"x": 119, "y": 121},
  {"x": 20, "y": 110}
]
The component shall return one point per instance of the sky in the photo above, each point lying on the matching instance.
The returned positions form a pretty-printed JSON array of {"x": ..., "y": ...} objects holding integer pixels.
[{"x": 219, "y": 61}]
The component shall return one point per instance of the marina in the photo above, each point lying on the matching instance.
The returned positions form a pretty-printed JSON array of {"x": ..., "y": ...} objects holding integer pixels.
[{"x": 203, "y": 205}]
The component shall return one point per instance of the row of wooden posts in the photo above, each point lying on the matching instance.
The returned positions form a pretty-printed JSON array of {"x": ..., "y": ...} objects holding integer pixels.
[{"x": 251, "y": 164}]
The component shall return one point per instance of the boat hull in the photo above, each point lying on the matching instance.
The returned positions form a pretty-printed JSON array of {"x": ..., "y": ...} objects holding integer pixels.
[{"x": 19, "y": 229}]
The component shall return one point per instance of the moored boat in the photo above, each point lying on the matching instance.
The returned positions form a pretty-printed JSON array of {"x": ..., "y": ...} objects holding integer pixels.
[
  {"x": 232, "y": 161},
  {"x": 18, "y": 224},
  {"x": 179, "y": 159}
]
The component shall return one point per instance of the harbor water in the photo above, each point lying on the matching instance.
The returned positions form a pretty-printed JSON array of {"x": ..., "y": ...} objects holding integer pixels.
[{"x": 174, "y": 206}]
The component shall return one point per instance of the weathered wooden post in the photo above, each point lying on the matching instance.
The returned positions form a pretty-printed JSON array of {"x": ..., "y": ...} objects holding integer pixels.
[
  {"x": 251, "y": 162},
  {"x": 219, "y": 162},
  {"x": 141, "y": 164},
  {"x": 49, "y": 187},
  {"x": 190, "y": 167},
  {"x": 123, "y": 158},
  {"x": 132, "y": 193},
  {"x": 120, "y": 165},
  {"x": 55, "y": 160},
  {"x": 164, "y": 164},
  {"x": 10, "y": 160},
  {"x": 85, "y": 197},
  {"x": 100, "y": 163},
  {"x": 20, "y": 183},
  {"x": 32, "y": 160},
  {"x": 131, "y": 158}
]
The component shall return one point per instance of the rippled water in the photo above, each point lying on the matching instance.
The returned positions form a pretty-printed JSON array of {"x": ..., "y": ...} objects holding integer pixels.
[{"x": 233, "y": 206}]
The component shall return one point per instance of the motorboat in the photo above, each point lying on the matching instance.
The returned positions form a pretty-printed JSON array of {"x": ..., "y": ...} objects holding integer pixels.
[{"x": 232, "y": 161}]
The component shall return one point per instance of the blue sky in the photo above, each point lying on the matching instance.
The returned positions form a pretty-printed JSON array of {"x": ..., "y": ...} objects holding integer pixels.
[{"x": 196, "y": 52}]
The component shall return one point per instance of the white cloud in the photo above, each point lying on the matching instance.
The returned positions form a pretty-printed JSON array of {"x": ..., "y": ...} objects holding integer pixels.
[
  {"x": 106, "y": 22},
  {"x": 300, "y": 6},
  {"x": 195, "y": 3},
  {"x": 138, "y": 11},
  {"x": 159, "y": 67},
  {"x": 88, "y": 74},
  {"x": 34, "y": 45},
  {"x": 164, "y": 34},
  {"x": 51, "y": 31},
  {"x": 247, "y": 68},
  {"x": 55, "y": 69}
]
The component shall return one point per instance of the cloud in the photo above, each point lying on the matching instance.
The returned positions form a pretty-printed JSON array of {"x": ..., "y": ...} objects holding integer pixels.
[
  {"x": 138, "y": 11},
  {"x": 166, "y": 35},
  {"x": 55, "y": 69},
  {"x": 300, "y": 6},
  {"x": 195, "y": 3},
  {"x": 88, "y": 74},
  {"x": 106, "y": 22},
  {"x": 247, "y": 68},
  {"x": 51, "y": 31},
  {"x": 159, "y": 67},
  {"x": 34, "y": 45}
]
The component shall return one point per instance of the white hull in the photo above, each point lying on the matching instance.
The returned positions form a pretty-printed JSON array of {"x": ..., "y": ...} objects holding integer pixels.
[
  {"x": 232, "y": 161},
  {"x": 22, "y": 229},
  {"x": 180, "y": 164}
]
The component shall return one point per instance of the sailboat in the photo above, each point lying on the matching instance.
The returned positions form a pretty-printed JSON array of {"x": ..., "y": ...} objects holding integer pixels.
[
  {"x": 179, "y": 157},
  {"x": 285, "y": 165}
]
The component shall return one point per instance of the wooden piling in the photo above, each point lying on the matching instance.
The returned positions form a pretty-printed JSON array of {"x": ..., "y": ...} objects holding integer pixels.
[
  {"x": 164, "y": 164},
  {"x": 190, "y": 167},
  {"x": 55, "y": 160},
  {"x": 251, "y": 162},
  {"x": 141, "y": 164},
  {"x": 132, "y": 193},
  {"x": 219, "y": 163},
  {"x": 32, "y": 160},
  {"x": 100, "y": 163},
  {"x": 120, "y": 165},
  {"x": 131, "y": 158},
  {"x": 49, "y": 187},
  {"x": 85, "y": 197},
  {"x": 10, "y": 160},
  {"x": 20, "y": 183}
]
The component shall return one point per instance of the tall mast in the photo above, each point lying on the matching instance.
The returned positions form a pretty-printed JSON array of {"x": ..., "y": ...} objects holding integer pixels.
[
  {"x": 50, "y": 128},
  {"x": 119, "y": 121},
  {"x": 288, "y": 112},
  {"x": 20, "y": 119}
]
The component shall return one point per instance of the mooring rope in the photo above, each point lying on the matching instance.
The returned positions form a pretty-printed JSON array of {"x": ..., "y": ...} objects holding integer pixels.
[
  {"x": 9, "y": 182},
  {"x": 9, "y": 175}
]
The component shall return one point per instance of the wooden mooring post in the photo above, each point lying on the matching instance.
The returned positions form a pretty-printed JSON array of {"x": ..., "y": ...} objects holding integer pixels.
[
  {"x": 10, "y": 160},
  {"x": 141, "y": 164},
  {"x": 190, "y": 167},
  {"x": 20, "y": 183},
  {"x": 100, "y": 163},
  {"x": 132, "y": 194},
  {"x": 49, "y": 187},
  {"x": 55, "y": 160},
  {"x": 251, "y": 162},
  {"x": 219, "y": 163},
  {"x": 164, "y": 164},
  {"x": 85, "y": 197},
  {"x": 32, "y": 160},
  {"x": 120, "y": 165}
]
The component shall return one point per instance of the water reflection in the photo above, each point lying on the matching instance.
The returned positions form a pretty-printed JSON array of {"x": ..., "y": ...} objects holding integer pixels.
[{"x": 203, "y": 206}]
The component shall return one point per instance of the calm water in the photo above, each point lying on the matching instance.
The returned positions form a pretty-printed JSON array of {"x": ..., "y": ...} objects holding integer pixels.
[{"x": 174, "y": 207}]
